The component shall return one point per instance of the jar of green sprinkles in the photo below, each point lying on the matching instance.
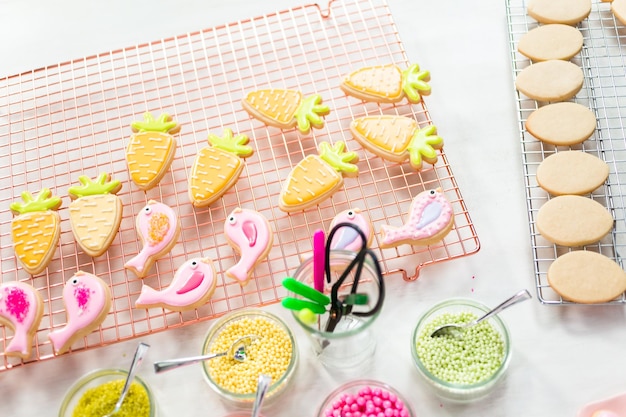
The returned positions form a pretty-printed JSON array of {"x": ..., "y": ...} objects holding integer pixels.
[
  {"x": 461, "y": 368},
  {"x": 96, "y": 393}
]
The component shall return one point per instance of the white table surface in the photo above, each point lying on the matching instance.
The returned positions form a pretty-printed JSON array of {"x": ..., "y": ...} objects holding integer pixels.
[{"x": 564, "y": 356}]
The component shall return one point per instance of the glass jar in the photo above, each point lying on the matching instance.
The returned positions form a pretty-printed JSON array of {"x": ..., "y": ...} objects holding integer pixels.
[
  {"x": 96, "y": 379},
  {"x": 272, "y": 335},
  {"x": 455, "y": 391}
]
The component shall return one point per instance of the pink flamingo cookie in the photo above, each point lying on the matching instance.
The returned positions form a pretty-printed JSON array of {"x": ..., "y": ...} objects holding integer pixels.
[
  {"x": 193, "y": 284},
  {"x": 431, "y": 218},
  {"x": 347, "y": 238},
  {"x": 158, "y": 228},
  {"x": 250, "y": 234},
  {"x": 87, "y": 301},
  {"x": 21, "y": 309}
]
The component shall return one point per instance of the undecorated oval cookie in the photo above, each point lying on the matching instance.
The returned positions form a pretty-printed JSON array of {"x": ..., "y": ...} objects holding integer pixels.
[
  {"x": 569, "y": 12},
  {"x": 553, "y": 41},
  {"x": 553, "y": 80},
  {"x": 562, "y": 124},
  {"x": 572, "y": 220},
  {"x": 586, "y": 277},
  {"x": 571, "y": 172},
  {"x": 618, "y": 7}
]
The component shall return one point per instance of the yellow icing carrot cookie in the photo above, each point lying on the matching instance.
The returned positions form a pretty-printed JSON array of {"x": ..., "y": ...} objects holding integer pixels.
[
  {"x": 36, "y": 229},
  {"x": 217, "y": 167},
  {"x": 397, "y": 138},
  {"x": 151, "y": 149},
  {"x": 387, "y": 84},
  {"x": 95, "y": 213},
  {"x": 317, "y": 177},
  {"x": 286, "y": 109}
]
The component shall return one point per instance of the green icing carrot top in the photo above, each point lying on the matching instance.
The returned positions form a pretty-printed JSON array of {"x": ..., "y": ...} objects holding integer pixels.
[
  {"x": 423, "y": 145},
  {"x": 415, "y": 82},
  {"x": 338, "y": 159},
  {"x": 42, "y": 202},
  {"x": 233, "y": 144},
  {"x": 163, "y": 124},
  {"x": 101, "y": 185}
]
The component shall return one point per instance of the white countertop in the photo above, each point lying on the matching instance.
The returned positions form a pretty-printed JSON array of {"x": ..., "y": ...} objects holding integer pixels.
[{"x": 564, "y": 356}]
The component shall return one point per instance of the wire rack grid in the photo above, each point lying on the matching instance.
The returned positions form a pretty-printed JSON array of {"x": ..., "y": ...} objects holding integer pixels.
[
  {"x": 72, "y": 119},
  {"x": 604, "y": 92}
]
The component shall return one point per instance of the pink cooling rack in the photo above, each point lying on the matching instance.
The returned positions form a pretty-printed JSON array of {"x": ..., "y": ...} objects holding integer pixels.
[{"x": 72, "y": 119}]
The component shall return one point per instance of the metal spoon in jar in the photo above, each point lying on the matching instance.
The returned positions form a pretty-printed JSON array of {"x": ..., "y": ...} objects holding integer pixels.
[
  {"x": 139, "y": 354},
  {"x": 456, "y": 328},
  {"x": 261, "y": 389},
  {"x": 237, "y": 351}
]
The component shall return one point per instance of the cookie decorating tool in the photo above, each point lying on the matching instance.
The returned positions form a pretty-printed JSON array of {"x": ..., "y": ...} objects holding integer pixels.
[
  {"x": 237, "y": 351},
  {"x": 262, "y": 387},
  {"x": 318, "y": 260},
  {"x": 137, "y": 359},
  {"x": 456, "y": 329}
]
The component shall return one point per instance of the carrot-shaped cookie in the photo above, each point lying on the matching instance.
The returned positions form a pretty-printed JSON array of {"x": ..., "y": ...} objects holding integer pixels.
[
  {"x": 95, "y": 213},
  {"x": 151, "y": 149},
  {"x": 286, "y": 108},
  {"x": 397, "y": 138},
  {"x": 317, "y": 177},
  {"x": 387, "y": 84},
  {"x": 36, "y": 229},
  {"x": 217, "y": 167}
]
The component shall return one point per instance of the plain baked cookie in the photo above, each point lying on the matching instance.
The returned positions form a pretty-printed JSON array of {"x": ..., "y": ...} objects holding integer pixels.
[
  {"x": 618, "y": 7},
  {"x": 552, "y": 80},
  {"x": 571, "y": 172},
  {"x": 562, "y": 124},
  {"x": 586, "y": 277},
  {"x": 552, "y": 41},
  {"x": 572, "y": 220},
  {"x": 569, "y": 12}
]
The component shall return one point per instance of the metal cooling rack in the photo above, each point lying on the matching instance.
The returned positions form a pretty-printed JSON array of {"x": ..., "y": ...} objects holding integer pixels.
[
  {"x": 603, "y": 61},
  {"x": 70, "y": 119}
]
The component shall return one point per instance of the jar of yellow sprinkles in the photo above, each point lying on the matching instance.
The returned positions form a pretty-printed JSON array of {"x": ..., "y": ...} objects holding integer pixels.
[{"x": 256, "y": 342}]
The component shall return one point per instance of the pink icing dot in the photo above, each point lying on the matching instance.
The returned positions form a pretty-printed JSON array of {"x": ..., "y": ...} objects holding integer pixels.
[
  {"x": 17, "y": 303},
  {"x": 82, "y": 295}
]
